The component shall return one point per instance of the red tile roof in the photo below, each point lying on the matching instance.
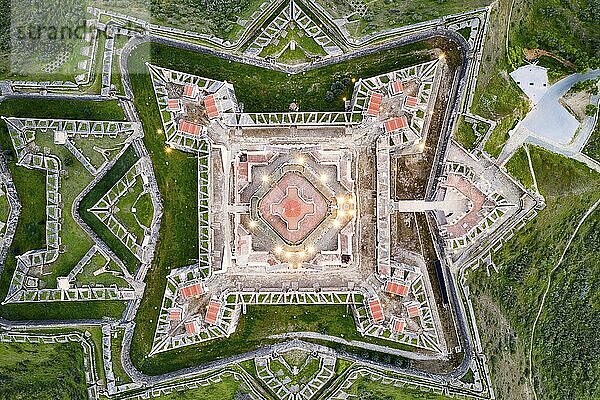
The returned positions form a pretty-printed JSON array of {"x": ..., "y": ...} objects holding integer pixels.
[
  {"x": 213, "y": 312},
  {"x": 374, "y": 104},
  {"x": 413, "y": 309},
  {"x": 411, "y": 101},
  {"x": 376, "y": 311},
  {"x": 173, "y": 104},
  {"x": 474, "y": 215},
  {"x": 394, "y": 124},
  {"x": 189, "y": 127},
  {"x": 211, "y": 106},
  {"x": 175, "y": 314},
  {"x": 190, "y": 327},
  {"x": 258, "y": 158},
  {"x": 399, "y": 288},
  {"x": 243, "y": 170},
  {"x": 397, "y": 87},
  {"x": 192, "y": 290},
  {"x": 190, "y": 90},
  {"x": 398, "y": 325}
]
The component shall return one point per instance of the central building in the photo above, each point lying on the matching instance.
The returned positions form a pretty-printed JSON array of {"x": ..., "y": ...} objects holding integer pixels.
[
  {"x": 293, "y": 206},
  {"x": 295, "y": 209}
]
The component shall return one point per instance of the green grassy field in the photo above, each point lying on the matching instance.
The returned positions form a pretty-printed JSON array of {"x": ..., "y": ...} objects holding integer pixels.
[
  {"x": 518, "y": 167},
  {"x": 227, "y": 389},
  {"x": 144, "y": 210},
  {"x": 115, "y": 343},
  {"x": 386, "y": 14},
  {"x": 73, "y": 237},
  {"x": 592, "y": 148},
  {"x": 502, "y": 101},
  {"x": 87, "y": 275},
  {"x": 119, "y": 169},
  {"x": 565, "y": 349},
  {"x": 4, "y": 208},
  {"x": 264, "y": 90},
  {"x": 30, "y": 184},
  {"x": 465, "y": 134},
  {"x": 176, "y": 172},
  {"x": 306, "y": 42},
  {"x": 42, "y": 371},
  {"x": 567, "y": 28},
  {"x": 94, "y": 332},
  {"x": 253, "y": 331},
  {"x": 364, "y": 388},
  {"x": 125, "y": 212}
]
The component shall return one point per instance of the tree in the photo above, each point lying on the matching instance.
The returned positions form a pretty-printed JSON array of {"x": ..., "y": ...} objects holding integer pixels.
[{"x": 329, "y": 95}]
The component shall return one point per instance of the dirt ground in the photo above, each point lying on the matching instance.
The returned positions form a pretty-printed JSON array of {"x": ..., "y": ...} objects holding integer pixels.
[
  {"x": 534, "y": 54},
  {"x": 576, "y": 103},
  {"x": 410, "y": 172},
  {"x": 405, "y": 234},
  {"x": 365, "y": 192}
]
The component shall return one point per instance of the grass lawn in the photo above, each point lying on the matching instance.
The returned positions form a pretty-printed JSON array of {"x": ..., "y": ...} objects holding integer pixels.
[
  {"x": 95, "y": 81},
  {"x": 46, "y": 108},
  {"x": 115, "y": 343},
  {"x": 253, "y": 331},
  {"x": 499, "y": 136},
  {"x": 42, "y": 371},
  {"x": 144, "y": 210},
  {"x": 227, "y": 389},
  {"x": 74, "y": 239},
  {"x": 565, "y": 349},
  {"x": 92, "y": 332},
  {"x": 306, "y": 42},
  {"x": 264, "y": 90},
  {"x": 176, "y": 173},
  {"x": 364, "y": 388},
  {"x": 4, "y": 208},
  {"x": 592, "y": 147},
  {"x": 117, "y": 171},
  {"x": 385, "y": 14},
  {"x": 499, "y": 99},
  {"x": 257, "y": 325},
  {"x": 518, "y": 168},
  {"x": 465, "y": 135},
  {"x": 30, "y": 184},
  {"x": 87, "y": 275},
  {"x": 125, "y": 207}
]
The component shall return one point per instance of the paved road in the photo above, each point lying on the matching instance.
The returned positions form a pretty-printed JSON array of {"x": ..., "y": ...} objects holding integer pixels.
[
  {"x": 549, "y": 124},
  {"x": 549, "y": 119}
]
